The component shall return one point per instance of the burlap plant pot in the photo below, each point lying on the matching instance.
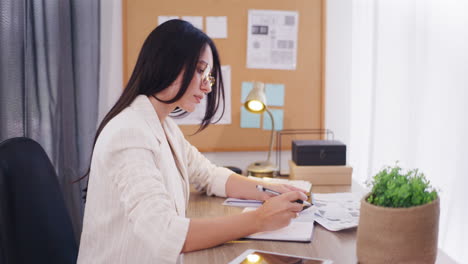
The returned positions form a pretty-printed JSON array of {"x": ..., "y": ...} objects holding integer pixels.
[{"x": 397, "y": 235}]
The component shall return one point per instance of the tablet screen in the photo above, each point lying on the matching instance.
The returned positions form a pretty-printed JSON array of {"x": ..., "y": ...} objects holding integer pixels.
[{"x": 258, "y": 257}]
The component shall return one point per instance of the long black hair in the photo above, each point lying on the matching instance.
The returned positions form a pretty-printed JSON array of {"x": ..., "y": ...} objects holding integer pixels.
[{"x": 171, "y": 47}]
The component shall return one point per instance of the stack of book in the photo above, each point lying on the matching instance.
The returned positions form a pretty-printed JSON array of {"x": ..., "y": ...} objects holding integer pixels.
[{"x": 321, "y": 175}]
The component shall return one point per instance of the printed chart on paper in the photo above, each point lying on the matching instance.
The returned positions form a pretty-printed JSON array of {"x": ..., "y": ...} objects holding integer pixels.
[{"x": 272, "y": 39}]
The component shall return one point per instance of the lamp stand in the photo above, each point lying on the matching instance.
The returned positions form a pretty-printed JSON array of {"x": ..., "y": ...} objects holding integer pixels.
[
  {"x": 265, "y": 168},
  {"x": 262, "y": 169}
]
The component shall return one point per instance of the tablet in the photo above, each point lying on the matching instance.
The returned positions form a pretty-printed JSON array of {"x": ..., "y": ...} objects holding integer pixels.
[{"x": 253, "y": 256}]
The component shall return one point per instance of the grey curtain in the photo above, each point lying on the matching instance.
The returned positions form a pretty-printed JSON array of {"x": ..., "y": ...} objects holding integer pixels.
[{"x": 49, "y": 77}]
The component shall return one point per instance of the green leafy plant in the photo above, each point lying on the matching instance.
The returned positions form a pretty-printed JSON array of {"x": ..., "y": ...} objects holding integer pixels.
[{"x": 393, "y": 188}]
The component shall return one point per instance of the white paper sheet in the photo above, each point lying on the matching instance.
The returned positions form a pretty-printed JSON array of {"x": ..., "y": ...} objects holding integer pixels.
[
  {"x": 337, "y": 211},
  {"x": 162, "y": 19},
  {"x": 196, "y": 21},
  {"x": 216, "y": 26},
  {"x": 272, "y": 39},
  {"x": 196, "y": 116}
]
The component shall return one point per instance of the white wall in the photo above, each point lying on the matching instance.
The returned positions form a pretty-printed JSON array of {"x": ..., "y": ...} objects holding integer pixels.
[
  {"x": 110, "y": 80},
  {"x": 338, "y": 68}
]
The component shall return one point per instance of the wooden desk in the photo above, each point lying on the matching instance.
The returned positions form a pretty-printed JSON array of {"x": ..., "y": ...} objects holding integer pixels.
[{"x": 337, "y": 246}]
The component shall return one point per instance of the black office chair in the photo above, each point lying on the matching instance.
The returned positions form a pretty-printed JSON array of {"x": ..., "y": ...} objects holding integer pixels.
[{"x": 34, "y": 223}]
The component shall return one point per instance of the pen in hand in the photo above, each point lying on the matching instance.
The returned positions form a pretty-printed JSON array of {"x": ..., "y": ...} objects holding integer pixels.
[{"x": 263, "y": 189}]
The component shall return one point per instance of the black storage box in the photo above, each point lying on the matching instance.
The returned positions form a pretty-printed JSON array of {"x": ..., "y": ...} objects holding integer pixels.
[{"x": 318, "y": 152}]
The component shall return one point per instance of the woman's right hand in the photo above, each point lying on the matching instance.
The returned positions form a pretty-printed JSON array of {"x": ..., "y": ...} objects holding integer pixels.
[{"x": 278, "y": 211}]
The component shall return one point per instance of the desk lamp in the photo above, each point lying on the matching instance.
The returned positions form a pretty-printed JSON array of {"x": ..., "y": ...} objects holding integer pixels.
[{"x": 256, "y": 103}]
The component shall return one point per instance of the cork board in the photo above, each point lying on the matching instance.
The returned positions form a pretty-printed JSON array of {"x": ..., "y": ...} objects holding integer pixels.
[{"x": 304, "y": 87}]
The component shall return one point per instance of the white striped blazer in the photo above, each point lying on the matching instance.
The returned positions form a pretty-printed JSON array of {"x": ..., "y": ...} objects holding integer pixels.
[{"x": 139, "y": 189}]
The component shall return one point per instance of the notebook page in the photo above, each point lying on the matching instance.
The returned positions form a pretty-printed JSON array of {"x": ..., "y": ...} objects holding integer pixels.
[{"x": 300, "y": 228}]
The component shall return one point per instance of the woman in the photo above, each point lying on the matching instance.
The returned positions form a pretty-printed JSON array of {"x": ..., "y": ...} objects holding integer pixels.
[{"x": 141, "y": 166}]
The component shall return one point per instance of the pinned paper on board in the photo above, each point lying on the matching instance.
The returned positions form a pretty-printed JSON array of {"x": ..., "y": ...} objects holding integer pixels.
[
  {"x": 196, "y": 21},
  {"x": 274, "y": 94},
  {"x": 162, "y": 19},
  {"x": 249, "y": 120},
  {"x": 196, "y": 117},
  {"x": 278, "y": 115},
  {"x": 216, "y": 27},
  {"x": 272, "y": 39}
]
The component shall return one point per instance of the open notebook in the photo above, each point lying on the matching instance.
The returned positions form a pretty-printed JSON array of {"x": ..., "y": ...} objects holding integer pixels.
[{"x": 299, "y": 230}]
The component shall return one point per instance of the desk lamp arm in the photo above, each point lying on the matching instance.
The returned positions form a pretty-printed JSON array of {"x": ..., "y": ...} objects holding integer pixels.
[{"x": 272, "y": 132}]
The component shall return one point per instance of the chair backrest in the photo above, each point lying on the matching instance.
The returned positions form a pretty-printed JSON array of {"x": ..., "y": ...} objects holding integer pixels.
[{"x": 34, "y": 223}]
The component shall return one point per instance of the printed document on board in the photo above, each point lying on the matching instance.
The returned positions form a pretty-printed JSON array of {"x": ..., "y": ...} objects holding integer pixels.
[{"x": 272, "y": 39}]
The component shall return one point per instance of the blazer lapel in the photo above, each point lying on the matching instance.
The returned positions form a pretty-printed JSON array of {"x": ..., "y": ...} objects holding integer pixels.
[
  {"x": 146, "y": 109},
  {"x": 178, "y": 151},
  {"x": 143, "y": 105}
]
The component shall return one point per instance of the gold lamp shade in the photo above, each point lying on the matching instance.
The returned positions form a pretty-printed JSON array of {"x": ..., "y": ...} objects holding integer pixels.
[{"x": 256, "y": 99}]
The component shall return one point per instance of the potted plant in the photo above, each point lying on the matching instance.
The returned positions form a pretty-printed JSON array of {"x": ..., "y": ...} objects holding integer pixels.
[{"x": 399, "y": 219}]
